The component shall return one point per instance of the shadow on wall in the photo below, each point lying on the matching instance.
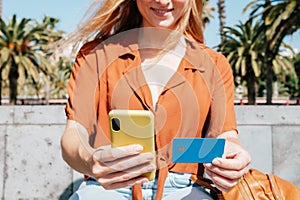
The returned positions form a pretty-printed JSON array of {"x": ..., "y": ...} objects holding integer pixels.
[{"x": 70, "y": 189}]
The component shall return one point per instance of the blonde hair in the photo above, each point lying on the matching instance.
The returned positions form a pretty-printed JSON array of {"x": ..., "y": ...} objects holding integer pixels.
[{"x": 115, "y": 16}]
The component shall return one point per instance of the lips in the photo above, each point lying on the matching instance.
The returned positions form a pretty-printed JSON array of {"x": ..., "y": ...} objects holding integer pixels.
[{"x": 161, "y": 12}]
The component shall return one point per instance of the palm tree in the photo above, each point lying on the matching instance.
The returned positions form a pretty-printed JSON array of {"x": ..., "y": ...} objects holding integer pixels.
[
  {"x": 296, "y": 61},
  {"x": 23, "y": 52},
  {"x": 60, "y": 78},
  {"x": 243, "y": 54},
  {"x": 286, "y": 75},
  {"x": 279, "y": 19},
  {"x": 244, "y": 51},
  {"x": 49, "y": 36},
  {"x": 207, "y": 12}
]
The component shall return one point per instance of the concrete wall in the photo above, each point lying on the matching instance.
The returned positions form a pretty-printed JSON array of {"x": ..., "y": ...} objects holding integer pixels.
[{"x": 31, "y": 166}]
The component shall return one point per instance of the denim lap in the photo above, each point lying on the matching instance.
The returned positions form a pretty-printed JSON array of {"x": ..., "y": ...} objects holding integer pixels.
[
  {"x": 177, "y": 185},
  {"x": 92, "y": 190}
]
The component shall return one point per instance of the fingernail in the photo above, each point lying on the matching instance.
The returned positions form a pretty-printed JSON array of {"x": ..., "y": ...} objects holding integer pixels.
[
  {"x": 139, "y": 148},
  {"x": 142, "y": 181},
  {"x": 151, "y": 167},
  {"x": 216, "y": 161},
  {"x": 208, "y": 165},
  {"x": 149, "y": 157}
]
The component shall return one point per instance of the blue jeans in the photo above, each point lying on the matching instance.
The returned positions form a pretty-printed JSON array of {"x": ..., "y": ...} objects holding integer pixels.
[{"x": 177, "y": 186}]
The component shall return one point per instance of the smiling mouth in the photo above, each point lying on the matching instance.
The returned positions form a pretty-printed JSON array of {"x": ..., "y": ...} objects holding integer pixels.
[{"x": 161, "y": 11}]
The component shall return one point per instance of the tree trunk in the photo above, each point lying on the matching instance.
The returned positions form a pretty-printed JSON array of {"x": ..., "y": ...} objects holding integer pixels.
[
  {"x": 269, "y": 64},
  {"x": 269, "y": 77},
  {"x": 0, "y": 85},
  {"x": 251, "y": 83},
  {"x": 1, "y": 68},
  {"x": 251, "y": 87},
  {"x": 272, "y": 49},
  {"x": 222, "y": 17},
  {"x": 0, "y": 8},
  {"x": 13, "y": 84}
]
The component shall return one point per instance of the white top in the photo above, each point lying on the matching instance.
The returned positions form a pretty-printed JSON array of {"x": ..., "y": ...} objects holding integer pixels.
[{"x": 158, "y": 75}]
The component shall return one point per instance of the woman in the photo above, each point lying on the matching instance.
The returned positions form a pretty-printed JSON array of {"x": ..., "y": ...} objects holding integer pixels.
[{"x": 149, "y": 54}]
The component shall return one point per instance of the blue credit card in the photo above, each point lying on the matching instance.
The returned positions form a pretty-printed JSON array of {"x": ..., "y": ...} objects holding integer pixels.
[{"x": 197, "y": 150}]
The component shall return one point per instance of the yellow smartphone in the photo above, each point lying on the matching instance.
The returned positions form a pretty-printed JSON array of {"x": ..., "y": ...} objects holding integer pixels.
[{"x": 133, "y": 127}]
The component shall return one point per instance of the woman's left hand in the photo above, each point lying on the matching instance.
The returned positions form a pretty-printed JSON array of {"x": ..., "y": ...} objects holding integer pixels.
[{"x": 226, "y": 171}]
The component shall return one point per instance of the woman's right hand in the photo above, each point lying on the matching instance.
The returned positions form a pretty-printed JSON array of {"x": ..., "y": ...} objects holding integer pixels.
[
  {"x": 121, "y": 166},
  {"x": 112, "y": 167}
]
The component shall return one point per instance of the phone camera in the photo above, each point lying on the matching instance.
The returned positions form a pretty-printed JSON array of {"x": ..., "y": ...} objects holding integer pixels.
[{"x": 115, "y": 122}]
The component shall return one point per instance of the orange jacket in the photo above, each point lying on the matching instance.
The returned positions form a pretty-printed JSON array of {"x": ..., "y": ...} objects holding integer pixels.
[{"x": 198, "y": 101}]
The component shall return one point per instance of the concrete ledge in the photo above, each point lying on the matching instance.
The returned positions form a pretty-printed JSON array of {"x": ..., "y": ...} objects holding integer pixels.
[
  {"x": 31, "y": 166},
  {"x": 258, "y": 141},
  {"x": 2, "y": 158},
  {"x": 7, "y": 115},
  {"x": 268, "y": 115},
  {"x": 34, "y": 168},
  {"x": 286, "y": 152}
]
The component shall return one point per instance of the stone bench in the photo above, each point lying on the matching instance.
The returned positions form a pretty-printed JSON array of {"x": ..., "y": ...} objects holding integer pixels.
[{"x": 31, "y": 166}]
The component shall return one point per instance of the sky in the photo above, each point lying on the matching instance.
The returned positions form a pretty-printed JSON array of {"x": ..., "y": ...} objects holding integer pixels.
[{"x": 70, "y": 13}]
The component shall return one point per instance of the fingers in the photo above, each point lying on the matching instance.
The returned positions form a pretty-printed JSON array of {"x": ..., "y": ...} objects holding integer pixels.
[
  {"x": 107, "y": 154},
  {"x": 122, "y": 166},
  {"x": 130, "y": 177},
  {"x": 235, "y": 158},
  {"x": 222, "y": 183},
  {"x": 226, "y": 173},
  {"x": 102, "y": 169},
  {"x": 135, "y": 181},
  {"x": 237, "y": 163}
]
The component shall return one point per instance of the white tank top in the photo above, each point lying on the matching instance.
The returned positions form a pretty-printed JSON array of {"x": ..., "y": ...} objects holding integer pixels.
[{"x": 157, "y": 75}]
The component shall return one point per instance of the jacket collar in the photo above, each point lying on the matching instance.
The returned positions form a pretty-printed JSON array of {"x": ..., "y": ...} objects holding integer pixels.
[
  {"x": 195, "y": 55},
  {"x": 128, "y": 48}
]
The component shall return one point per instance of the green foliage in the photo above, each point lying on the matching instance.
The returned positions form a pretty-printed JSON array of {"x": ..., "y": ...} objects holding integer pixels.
[
  {"x": 296, "y": 61},
  {"x": 278, "y": 18},
  {"x": 241, "y": 48},
  {"x": 247, "y": 47},
  {"x": 60, "y": 78},
  {"x": 243, "y": 52},
  {"x": 25, "y": 48},
  {"x": 207, "y": 13}
]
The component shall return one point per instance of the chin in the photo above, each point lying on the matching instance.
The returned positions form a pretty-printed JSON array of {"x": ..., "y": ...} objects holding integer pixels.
[{"x": 165, "y": 26}]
